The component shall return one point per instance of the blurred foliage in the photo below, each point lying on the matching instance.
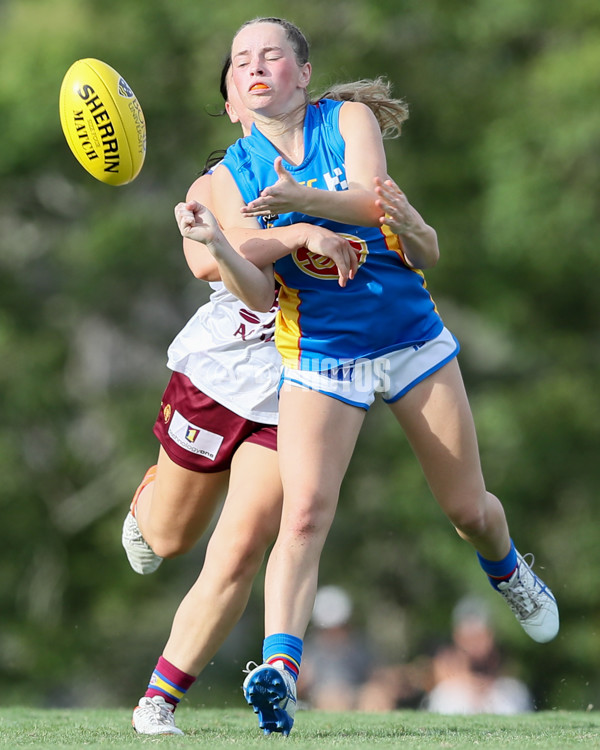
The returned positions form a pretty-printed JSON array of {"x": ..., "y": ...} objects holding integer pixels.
[{"x": 501, "y": 154}]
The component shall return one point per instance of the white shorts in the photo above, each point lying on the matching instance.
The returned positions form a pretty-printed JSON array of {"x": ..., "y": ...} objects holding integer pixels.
[{"x": 392, "y": 374}]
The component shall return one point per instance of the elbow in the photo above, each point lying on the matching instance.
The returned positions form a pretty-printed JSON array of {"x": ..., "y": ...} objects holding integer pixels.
[
  {"x": 430, "y": 259},
  {"x": 260, "y": 304},
  {"x": 197, "y": 270},
  {"x": 425, "y": 254},
  {"x": 423, "y": 262},
  {"x": 203, "y": 273},
  {"x": 433, "y": 254},
  {"x": 260, "y": 300},
  {"x": 200, "y": 262}
]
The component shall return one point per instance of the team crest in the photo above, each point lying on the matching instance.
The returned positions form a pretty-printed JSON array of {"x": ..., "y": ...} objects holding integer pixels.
[
  {"x": 324, "y": 268},
  {"x": 167, "y": 412},
  {"x": 124, "y": 89}
]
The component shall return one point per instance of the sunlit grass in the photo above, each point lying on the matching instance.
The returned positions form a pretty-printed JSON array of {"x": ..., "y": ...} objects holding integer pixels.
[{"x": 215, "y": 729}]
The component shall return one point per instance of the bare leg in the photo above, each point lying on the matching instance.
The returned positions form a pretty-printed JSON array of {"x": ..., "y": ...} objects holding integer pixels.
[
  {"x": 247, "y": 525},
  {"x": 174, "y": 511},
  {"x": 437, "y": 420},
  {"x": 316, "y": 438}
]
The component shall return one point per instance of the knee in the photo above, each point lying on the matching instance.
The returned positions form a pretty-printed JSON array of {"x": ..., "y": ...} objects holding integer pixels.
[
  {"x": 472, "y": 519},
  {"x": 240, "y": 556},
  {"x": 246, "y": 560},
  {"x": 470, "y": 523},
  {"x": 170, "y": 546},
  {"x": 309, "y": 519}
]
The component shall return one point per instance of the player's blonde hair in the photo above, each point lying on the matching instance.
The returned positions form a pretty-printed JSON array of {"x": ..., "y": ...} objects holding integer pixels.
[
  {"x": 376, "y": 93},
  {"x": 293, "y": 34}
]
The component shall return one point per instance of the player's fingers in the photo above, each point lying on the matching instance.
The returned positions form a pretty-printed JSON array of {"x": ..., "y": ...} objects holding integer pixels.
[
  {"x": 342, "y": 276},
  {"x": 256, "y": 203},
  {"x": 256, "y": 211},
  {"x": 353, "y": 261},
  {"x": 391, "y": 185},
  {"x": 280, "y": 170},
  {"x": 345, "y": 261}
]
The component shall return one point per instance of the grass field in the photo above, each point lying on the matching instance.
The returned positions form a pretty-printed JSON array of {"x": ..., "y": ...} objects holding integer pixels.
[{"x": 216, "y": 729}]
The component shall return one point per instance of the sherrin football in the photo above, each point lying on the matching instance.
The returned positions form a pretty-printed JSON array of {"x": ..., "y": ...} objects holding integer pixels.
[{"x": 102, "y": 121}]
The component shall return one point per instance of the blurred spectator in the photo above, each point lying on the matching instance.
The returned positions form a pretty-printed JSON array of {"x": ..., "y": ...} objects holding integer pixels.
[
  {"x": 468, "y": 675},
  {"x": 397, "y": 686},
  {"x": 336, "y": 662}
]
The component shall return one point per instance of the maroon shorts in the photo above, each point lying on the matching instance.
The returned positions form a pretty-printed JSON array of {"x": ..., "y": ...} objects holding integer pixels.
[{"x": 200, "y": 434}]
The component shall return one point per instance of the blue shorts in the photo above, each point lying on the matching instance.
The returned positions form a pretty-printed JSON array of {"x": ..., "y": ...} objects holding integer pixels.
[{"x": 392, "y": 375}]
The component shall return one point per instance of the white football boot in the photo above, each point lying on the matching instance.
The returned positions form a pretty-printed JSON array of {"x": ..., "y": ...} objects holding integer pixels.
[
  {"x": 531, "y": 601},
  {"x": 139, "y": 553},
  {"x": 271, "y": 691},
  {"x": 154, "y": 716}
]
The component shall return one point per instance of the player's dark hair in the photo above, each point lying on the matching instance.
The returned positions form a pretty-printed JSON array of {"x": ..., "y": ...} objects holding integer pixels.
[
  {"x": 223, "y": 86},
  {"x": 212, "y": 160},
  {"x": 224, "y": 72},
  {"x": 216, "y": 156}
]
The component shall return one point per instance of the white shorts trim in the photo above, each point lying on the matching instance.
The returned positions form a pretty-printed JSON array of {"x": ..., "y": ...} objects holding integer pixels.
[{"x": 391, "y": 375}]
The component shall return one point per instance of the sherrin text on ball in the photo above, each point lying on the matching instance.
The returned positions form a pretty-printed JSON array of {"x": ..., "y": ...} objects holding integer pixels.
[{"x": 102, "y": 121}]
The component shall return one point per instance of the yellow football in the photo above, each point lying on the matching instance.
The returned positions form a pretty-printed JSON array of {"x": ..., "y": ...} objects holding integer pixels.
[{"x": 102, "y": 121}]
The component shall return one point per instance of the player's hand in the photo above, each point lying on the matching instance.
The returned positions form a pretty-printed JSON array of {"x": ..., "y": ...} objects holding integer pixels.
[
  {"x": 283, "y": 196},
  {"x": 328, "y": 244},
  {"x": 197, "y": 223},
  {"x": 399, "y": 215}
]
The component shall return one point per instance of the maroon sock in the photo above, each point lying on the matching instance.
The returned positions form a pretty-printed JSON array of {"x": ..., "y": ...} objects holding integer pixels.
[{"x": 169, "y": 682}]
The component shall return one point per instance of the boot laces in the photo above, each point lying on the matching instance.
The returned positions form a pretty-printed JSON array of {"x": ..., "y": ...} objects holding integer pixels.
[
  {"x": 523, "y": 591},
  {"x": 161, "y": 710},
  {"x": 250, "y": 667}
]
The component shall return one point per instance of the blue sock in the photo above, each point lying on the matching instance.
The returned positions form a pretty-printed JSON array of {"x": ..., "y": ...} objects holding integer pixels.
[
  {"x": 499, "y": 570},
  {"x": 285, "y": 648}
]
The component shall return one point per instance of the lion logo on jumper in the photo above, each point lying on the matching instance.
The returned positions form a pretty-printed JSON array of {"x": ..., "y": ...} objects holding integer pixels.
[{"x": 325, "y": 268}]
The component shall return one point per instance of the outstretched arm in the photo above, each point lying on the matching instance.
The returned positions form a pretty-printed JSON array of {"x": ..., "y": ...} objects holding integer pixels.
[
  {"x": 264, "y": 246},
  {"x": 364, "y": 160},
  {"x": 254, "y": 286},
  {"x": 198, "y": 256},
  {"x": 419, "y": 240}
]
